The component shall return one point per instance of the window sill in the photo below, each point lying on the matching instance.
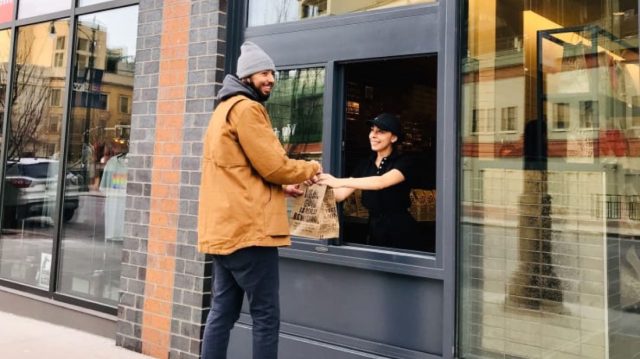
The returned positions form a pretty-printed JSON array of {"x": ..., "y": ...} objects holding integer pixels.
[{"x": 418, "y": 265}]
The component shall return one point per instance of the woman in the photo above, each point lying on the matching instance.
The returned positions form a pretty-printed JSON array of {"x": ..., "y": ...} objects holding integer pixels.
[{"x": 384, "y": 179}]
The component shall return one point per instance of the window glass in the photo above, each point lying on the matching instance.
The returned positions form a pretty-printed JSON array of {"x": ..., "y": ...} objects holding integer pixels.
[
  {"x": 92, "y": 232},
  {"x": 295, "y": 109},
  {"x": 90, "y": 2},
  {"x": 264, "y": 12},
  {"x": 29, "y": 8},
  {"x": 6, "y": 10},
  {"x": 31, "y": 178},
  {"x": 549, "y": 250},
  {"x": 402, "y": 216}
]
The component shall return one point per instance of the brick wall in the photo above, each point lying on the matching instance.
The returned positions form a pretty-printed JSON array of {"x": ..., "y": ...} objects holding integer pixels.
[{"x": 165, "y": 282}]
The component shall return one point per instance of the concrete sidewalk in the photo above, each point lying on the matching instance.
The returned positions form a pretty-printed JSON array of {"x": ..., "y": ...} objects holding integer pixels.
[{"x": 26, "y": 338}]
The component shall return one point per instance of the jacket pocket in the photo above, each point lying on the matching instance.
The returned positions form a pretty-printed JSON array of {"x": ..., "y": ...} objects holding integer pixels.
[{"x": 276, "y": 218}]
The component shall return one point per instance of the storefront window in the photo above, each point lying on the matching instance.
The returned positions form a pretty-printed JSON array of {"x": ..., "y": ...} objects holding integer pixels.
[
  {"x": 548, "y": 217},
  {"x": 265, "y": 12},
  {"x": 29, "y": 8},
  {"x": 405, "y": 88},
  {"x": 31, "y": 171},
  {"x": 92, "y": 234}
]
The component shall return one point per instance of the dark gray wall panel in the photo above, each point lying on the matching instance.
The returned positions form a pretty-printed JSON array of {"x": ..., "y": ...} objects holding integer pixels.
[
  {"x": 403, "y": 33},
  {"x": 374, "y": 311},
  {"x": 292, "y": 347}
]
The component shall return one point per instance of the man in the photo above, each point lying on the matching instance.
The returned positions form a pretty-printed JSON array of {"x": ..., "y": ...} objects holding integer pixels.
[{"x": 242, "y": 213}]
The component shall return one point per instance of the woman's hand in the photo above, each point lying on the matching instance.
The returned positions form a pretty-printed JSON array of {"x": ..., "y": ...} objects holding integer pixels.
[{"x": 329, "y": 180}]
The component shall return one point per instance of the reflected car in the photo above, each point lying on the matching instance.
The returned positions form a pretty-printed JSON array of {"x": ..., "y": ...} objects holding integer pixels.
[{"x": 30, "y": 190}]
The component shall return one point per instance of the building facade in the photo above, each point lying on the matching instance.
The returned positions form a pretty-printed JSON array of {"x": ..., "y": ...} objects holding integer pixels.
[{"x": 522, "y": 119}]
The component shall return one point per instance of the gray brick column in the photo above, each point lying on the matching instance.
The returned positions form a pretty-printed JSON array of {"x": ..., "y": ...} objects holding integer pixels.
[
  {"x": 191, "y": 276},
  {"x": 134, "y": 257},
  {"x": 192, "y": 283}
]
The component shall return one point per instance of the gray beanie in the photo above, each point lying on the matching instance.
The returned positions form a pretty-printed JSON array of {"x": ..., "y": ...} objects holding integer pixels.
[{"x": 253, "y": 60}]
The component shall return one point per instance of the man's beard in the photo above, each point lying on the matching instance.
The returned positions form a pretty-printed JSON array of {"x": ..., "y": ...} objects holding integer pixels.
[{"x": 261, "y": 97}]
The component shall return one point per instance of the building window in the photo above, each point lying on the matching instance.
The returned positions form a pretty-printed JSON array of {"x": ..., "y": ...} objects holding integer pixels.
[
  {"x": 56, "y": 97},
  {"x": 53, "y": 123},
  {"x": 96, "y": 151},
  {"x": 508, "y": 119},
  {"x": 589, "y": 114},
  {"x": 124, "y": 104},
  {"x": 295, "y": 108},
  {"x": 571, "y": 66},
  {"x": 265, "y": 12},
  {"x": 92, "y": 100},
  {"x": 83, "y": 45},
  {"x": 414, "y": 103},
  {"x": 483, "y": 120},
  {"x": 58, "y": 59},
  {"x": 561, "y": 116},
  {"x": 60, "y": 43}
]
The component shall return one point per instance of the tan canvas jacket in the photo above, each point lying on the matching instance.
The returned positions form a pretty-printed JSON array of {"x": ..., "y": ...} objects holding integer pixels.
[{"x": 244, "y": 166}]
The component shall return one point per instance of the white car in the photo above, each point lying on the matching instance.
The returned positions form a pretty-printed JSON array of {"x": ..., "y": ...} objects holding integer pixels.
[{"x": 30, "y": 190}]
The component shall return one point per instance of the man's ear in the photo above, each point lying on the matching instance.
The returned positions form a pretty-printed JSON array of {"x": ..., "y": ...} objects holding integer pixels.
[{"x": 394, "y": 139}]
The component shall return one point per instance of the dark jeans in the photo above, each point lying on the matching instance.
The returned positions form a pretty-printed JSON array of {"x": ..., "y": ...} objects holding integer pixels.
[{"x": 254, "y": 271}]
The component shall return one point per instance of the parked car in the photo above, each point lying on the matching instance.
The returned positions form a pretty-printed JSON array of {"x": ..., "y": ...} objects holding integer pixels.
[{"x": 30, "y": 190}]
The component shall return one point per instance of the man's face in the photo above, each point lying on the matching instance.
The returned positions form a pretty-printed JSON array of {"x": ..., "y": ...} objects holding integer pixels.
[{"x": 263, "y": 82}]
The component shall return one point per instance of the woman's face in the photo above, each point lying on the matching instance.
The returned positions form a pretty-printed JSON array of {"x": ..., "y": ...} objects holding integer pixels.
[{"x": 380, "y": 139}]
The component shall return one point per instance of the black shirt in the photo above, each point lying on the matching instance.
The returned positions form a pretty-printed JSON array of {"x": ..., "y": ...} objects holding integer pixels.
[{"x": 391, "y": 199}]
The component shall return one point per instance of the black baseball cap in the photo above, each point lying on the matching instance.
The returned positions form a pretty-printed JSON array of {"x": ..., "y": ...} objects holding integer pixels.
[{"x": 387, "y": 122}]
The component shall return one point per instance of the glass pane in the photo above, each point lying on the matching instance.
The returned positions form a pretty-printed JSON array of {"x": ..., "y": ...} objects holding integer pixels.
[
  {"x": 401, "y": 216},
  {"x": 265, "y": 12},
  {"x": 295, "y": 108},
  {"x": 90, "y": 2},
  {"x": 549, "y": 216},
  {"x": 6, "y": 10},
  {"x": 28, "y": 8},
  {"x": 31, "y": 178},
  {"x": 93, "y": 217}
]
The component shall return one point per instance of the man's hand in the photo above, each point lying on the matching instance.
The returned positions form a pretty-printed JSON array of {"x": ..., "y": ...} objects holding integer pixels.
[
  {"x": 293, "y": 190},
  {"x": 315, "y": 177}
]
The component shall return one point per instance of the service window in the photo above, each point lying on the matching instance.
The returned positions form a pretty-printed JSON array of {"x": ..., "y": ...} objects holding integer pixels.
[{"x": 405, "y": 88}]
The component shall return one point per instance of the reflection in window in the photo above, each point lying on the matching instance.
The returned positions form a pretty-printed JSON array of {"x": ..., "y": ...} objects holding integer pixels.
[
  {"x": 295, "y": 108},
  {"x": 560, "y": 116},
  {"x": 508, "y": 119},
  {"x": 407, "y": 89},
  {"x": 29, "y": 8},
  {"x": 265, "y": 12},
  {"x": 6, "y": 10},
  {"x": 550, "y": 245},
  {"x": 97, "y": 154},
  {"x": 124, "y": 104},
  {"x": 31, "y": 178},
  {"x": 56, "y": 97},
  {"x": 589, "y": 114},
  {"x": 635, "y": 111}
]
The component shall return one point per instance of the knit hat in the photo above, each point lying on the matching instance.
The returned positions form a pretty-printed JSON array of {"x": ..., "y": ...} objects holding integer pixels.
[{"x": 253, "y": 60}]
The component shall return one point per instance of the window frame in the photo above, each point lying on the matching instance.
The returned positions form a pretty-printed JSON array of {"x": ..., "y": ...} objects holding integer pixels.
[{"x": 431, "y": 16}]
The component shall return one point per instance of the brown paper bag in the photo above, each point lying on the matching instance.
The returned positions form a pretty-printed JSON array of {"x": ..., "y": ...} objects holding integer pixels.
[{"x": 314, "y": 214}]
